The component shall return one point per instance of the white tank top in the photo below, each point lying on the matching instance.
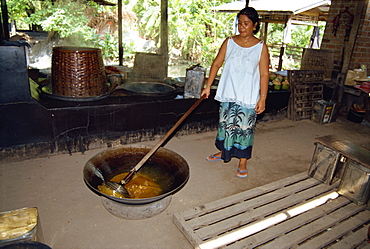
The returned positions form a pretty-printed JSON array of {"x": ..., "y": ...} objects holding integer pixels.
[{"x": 240, "y": 79}]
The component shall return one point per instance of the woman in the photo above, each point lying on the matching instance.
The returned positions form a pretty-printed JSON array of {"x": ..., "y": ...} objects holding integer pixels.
[{"x": 242, "y": 90}]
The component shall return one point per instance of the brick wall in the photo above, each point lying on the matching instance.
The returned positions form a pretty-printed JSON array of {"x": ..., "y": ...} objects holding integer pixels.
[{"x": 337, "y": 43}]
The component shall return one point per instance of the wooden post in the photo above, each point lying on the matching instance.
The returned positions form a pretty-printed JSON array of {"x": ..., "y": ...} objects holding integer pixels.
[
  {"x": 164, "y": 34},
  {"x": 282, "y": 51},
  {"x": 120, "y": 46},
  {"x": 264, "y": 28},
  {"x": 286, "y": 39},
  {"x": 4, "y": 29}
]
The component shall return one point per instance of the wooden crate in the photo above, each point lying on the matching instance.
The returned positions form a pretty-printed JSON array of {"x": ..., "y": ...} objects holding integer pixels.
[
  {"x": 301, "y": 104},
  {"x": 306, "y": 88},
  {"x": 355, "y": 184},
  {"x": 266, "y": 217},
  {"x": 307, "y": 98},
  {"x": 296, "y": 77},
  {"x": 325, "y": 164}
]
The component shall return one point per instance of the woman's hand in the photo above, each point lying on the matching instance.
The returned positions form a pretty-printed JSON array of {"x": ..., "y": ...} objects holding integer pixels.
[
  {"x": 206, "y": 91},
  {"x": 260, "y": 107}
]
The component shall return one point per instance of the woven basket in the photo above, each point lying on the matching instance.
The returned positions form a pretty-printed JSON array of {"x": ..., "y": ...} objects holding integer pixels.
[{"x": 78, "y": 72}]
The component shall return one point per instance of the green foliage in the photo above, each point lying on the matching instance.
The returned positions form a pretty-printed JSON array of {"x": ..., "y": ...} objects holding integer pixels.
[
  {"x": 301, "y": 35},
  {"x": 275, "y": 33},
  {"x": 197, "y": 30},
  {"x": 21, "y": 9},
  {"x": 194, "y": 29},
  {"x": 107, "y": 43},
  {"x": 66, "y": 18}
]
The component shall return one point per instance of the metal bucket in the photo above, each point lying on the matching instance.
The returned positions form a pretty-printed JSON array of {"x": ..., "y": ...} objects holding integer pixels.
[{"x": 356, "y": 117}]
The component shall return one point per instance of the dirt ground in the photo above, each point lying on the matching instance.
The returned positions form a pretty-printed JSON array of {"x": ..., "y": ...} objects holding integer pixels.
[{"x": 72, "y": 216}]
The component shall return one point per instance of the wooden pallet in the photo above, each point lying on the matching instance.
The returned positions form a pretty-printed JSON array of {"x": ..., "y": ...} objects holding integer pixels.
[{"x": 267, "y": 217}]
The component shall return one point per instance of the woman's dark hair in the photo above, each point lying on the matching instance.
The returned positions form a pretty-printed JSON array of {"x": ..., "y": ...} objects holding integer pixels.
[{"x": 252, "y": 14}]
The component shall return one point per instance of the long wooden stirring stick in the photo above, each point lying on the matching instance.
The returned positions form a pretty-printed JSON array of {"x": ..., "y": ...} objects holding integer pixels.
[{"x": 133, "y": 171}]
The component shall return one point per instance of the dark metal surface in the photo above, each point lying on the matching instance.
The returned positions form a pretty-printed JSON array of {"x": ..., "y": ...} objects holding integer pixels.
[
  {"x": 46, "y": 95},
  {"x": 152, "y": 89},
  {"x": 14, "y": 85},
  {"x": 348, "y": 149},
  {"x": 71, "y": 126},
  {"x": 167, "y": 168},
  {"x": 326, "y": 165},
  {"x": 355, "y": 184}
]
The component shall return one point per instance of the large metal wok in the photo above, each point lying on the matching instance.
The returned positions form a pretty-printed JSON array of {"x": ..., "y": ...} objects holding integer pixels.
[
  {"x": 165, "y": 167},
  {"x": 148, "y": 88}
]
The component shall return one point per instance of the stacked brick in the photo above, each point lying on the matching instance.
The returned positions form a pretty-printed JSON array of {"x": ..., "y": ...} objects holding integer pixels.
[{"x": 336, "y": 32}]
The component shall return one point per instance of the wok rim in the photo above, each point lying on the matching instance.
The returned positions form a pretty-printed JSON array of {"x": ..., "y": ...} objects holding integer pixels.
[
  {"x": 125, "y": 88},
  {"x": 141, "y": 200}
]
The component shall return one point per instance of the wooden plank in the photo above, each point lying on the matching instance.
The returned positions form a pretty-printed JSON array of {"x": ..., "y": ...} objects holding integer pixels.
[
  {"x": 339, "y": 231},
  {"x": 187, "y": 231},
  {"x": 287, "y": 226},
  {"x": 250, "y": 204},
  {"x": 303, "y": 233},
  {"x": 255, "y": 227},
  {"x": 364, "y": 246},
  {"x": 228, "y": 223},
  {"x": 357, "y": 153},
  {"x": 224, "y": 202},
  {"x": 352, "y": 241}
]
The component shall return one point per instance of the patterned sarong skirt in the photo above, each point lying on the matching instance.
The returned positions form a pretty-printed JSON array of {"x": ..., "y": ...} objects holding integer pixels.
[{"x": 235, "y": 133}]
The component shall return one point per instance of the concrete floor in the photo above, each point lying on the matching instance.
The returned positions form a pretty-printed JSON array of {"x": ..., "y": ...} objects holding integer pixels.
[{"x": 72, "y": 216}]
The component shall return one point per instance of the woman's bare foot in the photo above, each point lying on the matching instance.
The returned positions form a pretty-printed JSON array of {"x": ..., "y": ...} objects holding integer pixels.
[
  {"x": 214, "y": 157},
  {"x": 242, "y": 169}
]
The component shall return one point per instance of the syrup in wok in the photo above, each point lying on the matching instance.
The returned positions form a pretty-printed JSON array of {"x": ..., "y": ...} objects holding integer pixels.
[{"x": 140, "y": 186}]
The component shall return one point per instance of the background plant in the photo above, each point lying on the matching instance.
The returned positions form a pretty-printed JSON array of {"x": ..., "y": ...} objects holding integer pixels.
[{"x": 195, "y": 31}]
